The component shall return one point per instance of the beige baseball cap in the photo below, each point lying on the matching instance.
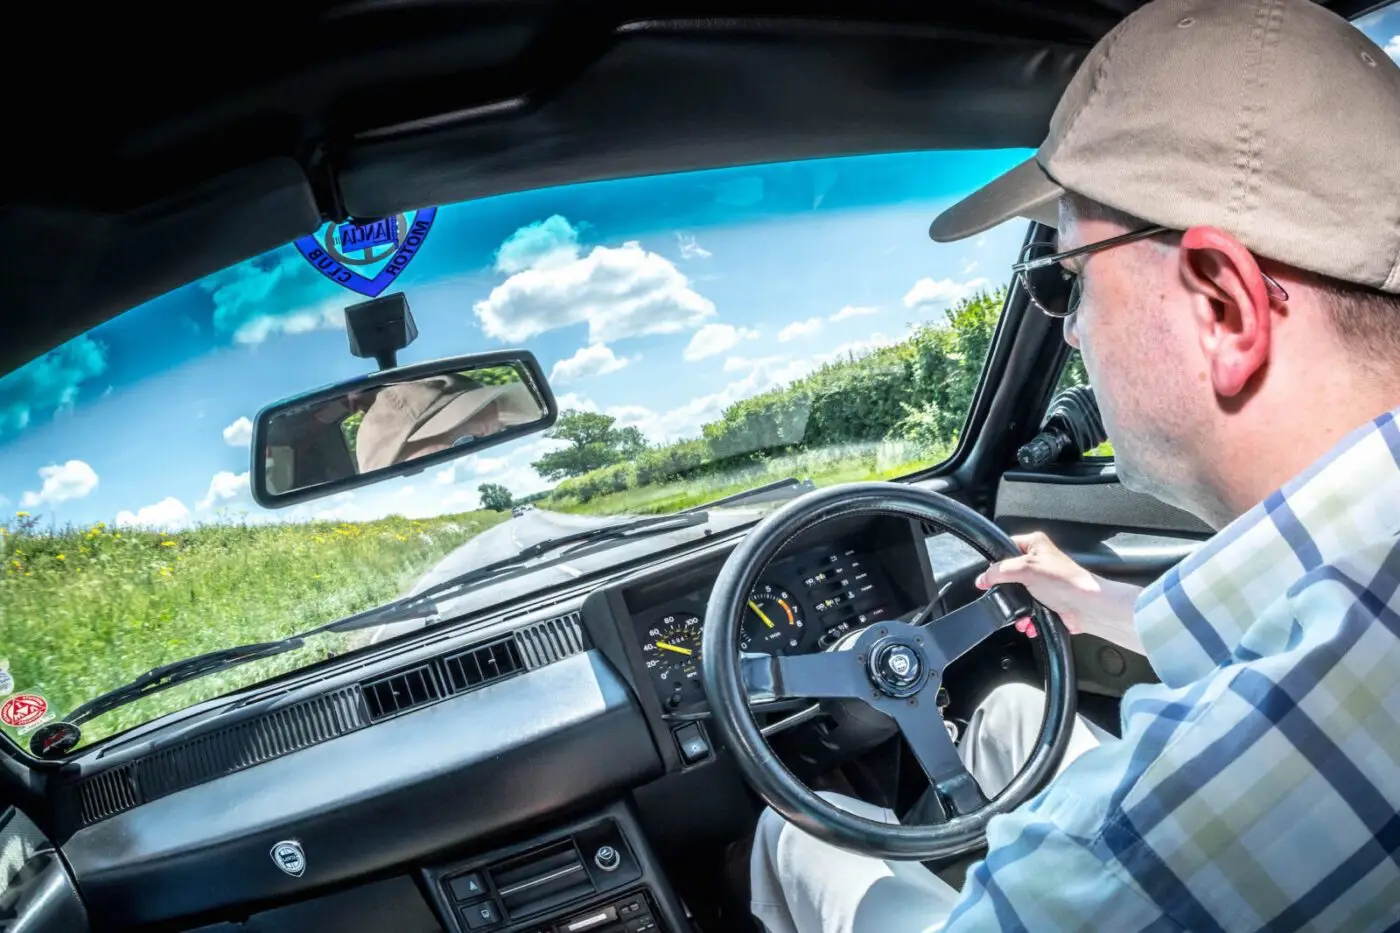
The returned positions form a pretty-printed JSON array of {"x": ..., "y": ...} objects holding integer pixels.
[
  {"x": 1274, "y": 120},
  {"x": 435, "y": 408}
]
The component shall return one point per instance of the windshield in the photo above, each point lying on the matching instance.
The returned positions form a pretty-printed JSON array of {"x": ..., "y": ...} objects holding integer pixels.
[{"x": 705, "y": 334}]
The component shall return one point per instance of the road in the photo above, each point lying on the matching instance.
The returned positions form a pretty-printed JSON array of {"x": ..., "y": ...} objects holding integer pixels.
[{"x": 507, "y": 538}]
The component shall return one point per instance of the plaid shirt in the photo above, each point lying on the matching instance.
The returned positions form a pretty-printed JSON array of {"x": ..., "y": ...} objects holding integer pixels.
[{"x": 1257, "y": 787}]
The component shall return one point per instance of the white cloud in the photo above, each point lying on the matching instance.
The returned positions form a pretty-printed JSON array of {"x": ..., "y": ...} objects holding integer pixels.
[
  {"x": 464, "y": 500},
  {"x": 981, "y": 241},
  {"x": 257, "y": 329},
  {"x": 713, "y": 339},
  {"x": 545, "y": 244},
  {"x": 618, "y": 292},
  {"x": 167, "y": 513},
  {"x": 405, "y": 492},
  {"x": 240, "y": 433},
  {"x": 225, "y": 486},
  {"x": 446, "y": 476},
  {"x": 1392, "y": 48},
  {"x": 574, "y": 400},
  {"x": 969, "y": 266},
  {"x": 928, "y": 295},
  {"x": 851, "y": 311},
  {"x": 72, "y": 480},
  {"x": 595, "y": 360},
  {"x": 797, "y": 329},
  {"x": 742, "y": 364},
  {"x": 690, "y": 249}
]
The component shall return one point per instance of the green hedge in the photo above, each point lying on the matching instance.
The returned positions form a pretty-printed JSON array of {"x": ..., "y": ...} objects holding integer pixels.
[{"x": 918, "y": 390}]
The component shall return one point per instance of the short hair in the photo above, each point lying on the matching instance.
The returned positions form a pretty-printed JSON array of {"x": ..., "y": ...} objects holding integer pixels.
[{"x": 1366, "y": 318}]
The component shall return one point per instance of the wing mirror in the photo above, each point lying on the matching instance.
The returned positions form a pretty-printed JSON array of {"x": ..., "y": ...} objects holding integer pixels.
[{"x": 395, "y": 421}]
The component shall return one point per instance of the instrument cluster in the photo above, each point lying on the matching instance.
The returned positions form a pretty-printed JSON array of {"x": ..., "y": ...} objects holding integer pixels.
[{"x": 801, "y": 604}]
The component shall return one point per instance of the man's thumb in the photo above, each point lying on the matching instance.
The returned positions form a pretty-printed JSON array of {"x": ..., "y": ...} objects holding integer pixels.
[{"x": 1011, "y": 570}]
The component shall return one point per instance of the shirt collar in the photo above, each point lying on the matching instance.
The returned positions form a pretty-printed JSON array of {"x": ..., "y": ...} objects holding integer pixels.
[{"x": 1199, "y": 616}]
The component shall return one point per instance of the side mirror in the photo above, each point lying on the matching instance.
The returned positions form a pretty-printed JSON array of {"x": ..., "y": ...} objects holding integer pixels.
[{"x": 394, "y": 422}]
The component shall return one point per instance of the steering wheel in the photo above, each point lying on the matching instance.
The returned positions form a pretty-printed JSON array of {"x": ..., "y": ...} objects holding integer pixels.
[{"x": 896, "y": 667}]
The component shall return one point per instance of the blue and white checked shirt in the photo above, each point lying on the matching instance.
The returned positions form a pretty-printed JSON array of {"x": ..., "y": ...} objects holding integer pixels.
[{"x": 1258, "y": 786}]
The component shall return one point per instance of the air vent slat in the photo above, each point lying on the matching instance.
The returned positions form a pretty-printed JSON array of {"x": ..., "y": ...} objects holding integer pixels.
[
  {"x": 549, "y": 641},
  {"x": 482, "y": 664},
  {"x": 401, "y": 691}
]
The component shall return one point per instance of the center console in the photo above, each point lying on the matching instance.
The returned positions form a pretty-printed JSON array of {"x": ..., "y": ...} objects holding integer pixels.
[{"x": 594, "y": 876}]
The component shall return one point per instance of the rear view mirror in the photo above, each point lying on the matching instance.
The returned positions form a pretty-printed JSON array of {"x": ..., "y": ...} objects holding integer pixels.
[{"x": 395, "y": 421}]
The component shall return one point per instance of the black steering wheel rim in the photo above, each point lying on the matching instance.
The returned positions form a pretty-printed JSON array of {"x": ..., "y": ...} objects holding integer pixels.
[{"x": 728, "y": 693}]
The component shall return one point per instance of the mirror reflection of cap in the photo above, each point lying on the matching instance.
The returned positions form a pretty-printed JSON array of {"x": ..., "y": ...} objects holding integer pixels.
[{"x": 431, "y": 408}]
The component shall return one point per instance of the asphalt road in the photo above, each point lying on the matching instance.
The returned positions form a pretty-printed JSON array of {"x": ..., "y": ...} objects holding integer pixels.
[{"x": 506, "y": 539}]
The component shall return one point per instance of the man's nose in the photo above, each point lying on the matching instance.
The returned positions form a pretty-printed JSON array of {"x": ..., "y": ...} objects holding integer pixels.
[{"x": 1071, "y": 330}]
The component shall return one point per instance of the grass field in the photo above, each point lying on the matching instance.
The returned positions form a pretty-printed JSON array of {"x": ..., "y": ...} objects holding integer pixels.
[
  {"x": 83, "y": 610},
  {"x": 851, "y": 463}
]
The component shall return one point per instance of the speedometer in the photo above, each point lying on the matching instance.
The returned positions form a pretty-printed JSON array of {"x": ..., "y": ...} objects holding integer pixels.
[
  {"x": 772, "y": 622},
  {"x": 672, "y": 648}
]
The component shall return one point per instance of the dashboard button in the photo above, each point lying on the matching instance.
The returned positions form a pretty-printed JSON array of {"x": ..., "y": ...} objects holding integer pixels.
[
  {"x": 465, "y": 887},
  {"x": 694, "y": 746},
  {"x": 480, "y": 916}
]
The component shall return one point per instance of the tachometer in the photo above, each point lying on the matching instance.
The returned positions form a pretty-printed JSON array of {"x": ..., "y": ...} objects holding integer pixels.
[
  {"x": 773, "y": 621},
  {"x": 672, "y": 648}
]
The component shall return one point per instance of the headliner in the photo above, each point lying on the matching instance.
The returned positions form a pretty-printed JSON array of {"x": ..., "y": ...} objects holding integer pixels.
[{"x": 187, "y": 158}]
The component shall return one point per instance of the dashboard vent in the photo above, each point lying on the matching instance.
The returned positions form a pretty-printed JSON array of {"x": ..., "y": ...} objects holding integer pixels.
[
  {"x": 105, "y": 794},
  {"x": 213, "y": 754},
  {"x": 482, "y": 665},
  {"x": 541, "y": 880},
  {"x": 221, "y": 751},
  {"x": 391, "y": 695},
  {"x": 551, "y": 640}
]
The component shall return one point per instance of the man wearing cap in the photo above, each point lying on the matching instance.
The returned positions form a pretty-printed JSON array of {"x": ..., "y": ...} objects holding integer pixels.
[
  {"x": 1225, "y": 182},
  {"x": 413, "y": 419}
]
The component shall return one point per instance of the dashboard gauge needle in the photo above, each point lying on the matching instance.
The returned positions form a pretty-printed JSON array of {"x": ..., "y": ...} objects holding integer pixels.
[
  {"x": 667, "y": 646},
  {"x": 759, "y": 612}
]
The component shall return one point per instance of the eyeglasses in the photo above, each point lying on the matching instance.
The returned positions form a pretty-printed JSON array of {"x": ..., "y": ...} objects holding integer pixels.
[{"x": 1041, "y": 274}]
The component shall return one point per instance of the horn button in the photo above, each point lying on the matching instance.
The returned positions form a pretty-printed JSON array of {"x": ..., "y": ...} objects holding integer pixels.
[{"x": 897, "y": 668}]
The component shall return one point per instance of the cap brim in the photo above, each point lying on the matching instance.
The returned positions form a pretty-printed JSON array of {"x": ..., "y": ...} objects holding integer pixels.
[
  {"x": 1025, "y": 191},
  {"x": 466, "y": 406}
]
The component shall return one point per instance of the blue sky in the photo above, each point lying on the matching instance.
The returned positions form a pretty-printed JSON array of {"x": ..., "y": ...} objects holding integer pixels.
[{"x": 657, "y": 300}]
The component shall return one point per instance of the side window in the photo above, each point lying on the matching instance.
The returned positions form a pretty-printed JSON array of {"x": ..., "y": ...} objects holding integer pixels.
[{"x": 1071, "y": 375}]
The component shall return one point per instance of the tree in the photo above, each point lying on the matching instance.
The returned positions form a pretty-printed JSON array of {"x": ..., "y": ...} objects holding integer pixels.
[
  {"x": 593, "y": 443},
  {"x": 495, "y": 497}
]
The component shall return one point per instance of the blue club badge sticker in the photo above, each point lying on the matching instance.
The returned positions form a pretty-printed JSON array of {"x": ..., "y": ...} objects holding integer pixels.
[
  {"x": 7, "y": 680},
  {"x": 369, "y": 256}
]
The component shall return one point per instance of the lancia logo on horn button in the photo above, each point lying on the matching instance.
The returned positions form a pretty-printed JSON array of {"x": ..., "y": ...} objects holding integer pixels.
[
  {"x": 899, "y": 663},
  {"x": 289, "y": 856}
]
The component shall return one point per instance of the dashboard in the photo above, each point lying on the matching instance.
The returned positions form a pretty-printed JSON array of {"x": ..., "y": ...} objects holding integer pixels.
[{"x": 809, "y": 596}]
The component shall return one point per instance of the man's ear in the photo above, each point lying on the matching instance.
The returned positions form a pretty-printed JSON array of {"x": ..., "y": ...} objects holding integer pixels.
[{"x": 1232, "y": 309}]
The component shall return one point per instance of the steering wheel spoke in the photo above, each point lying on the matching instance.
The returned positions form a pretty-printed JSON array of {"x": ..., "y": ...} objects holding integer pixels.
[
  {"x": 953, "y": 635},
  {"x": 923, "y": 730},
  {"x": 830, "y": 675}
]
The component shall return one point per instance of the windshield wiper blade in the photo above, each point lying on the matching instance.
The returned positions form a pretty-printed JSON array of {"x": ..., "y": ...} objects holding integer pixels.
[
  {"x": 637, "y": 528},
  {"x": 171, "y": 675}
]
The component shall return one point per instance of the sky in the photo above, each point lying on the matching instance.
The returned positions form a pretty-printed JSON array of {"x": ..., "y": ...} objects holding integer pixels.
[{"x": 658, "y": 300}]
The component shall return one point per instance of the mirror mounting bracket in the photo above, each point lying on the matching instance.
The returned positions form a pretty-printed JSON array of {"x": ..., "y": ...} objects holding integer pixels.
[{"x": 380, "y": 328}]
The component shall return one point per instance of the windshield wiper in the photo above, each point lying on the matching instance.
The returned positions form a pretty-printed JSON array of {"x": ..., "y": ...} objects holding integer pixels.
[
  {"x": 637, "y": 528},
  {"x": 421, "y": 606}
]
